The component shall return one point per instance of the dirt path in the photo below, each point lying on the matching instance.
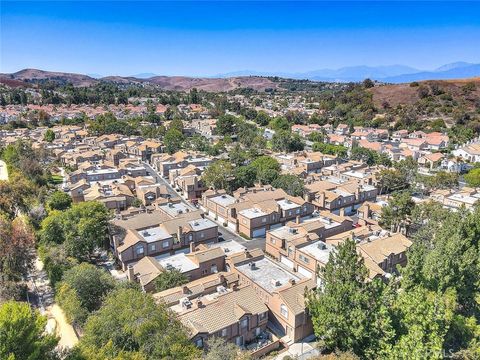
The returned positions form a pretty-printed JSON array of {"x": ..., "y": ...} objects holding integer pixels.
[
  {"x": 47, "y": 306},
  {"x": 64, "y": 330},
  {"x": 3, "y": 171}
]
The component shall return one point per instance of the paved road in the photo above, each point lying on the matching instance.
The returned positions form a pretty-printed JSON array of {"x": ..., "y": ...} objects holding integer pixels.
[
  {"x": 226, "y": 233},
  {"x": 159, "y": 179}
]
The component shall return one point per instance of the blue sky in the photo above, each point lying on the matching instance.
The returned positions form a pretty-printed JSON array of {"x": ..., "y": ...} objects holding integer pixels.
[{"x": 207, "y": 38}]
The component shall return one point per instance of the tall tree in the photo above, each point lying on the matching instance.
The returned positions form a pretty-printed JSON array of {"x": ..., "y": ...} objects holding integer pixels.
[
  {"x": 218, "y": 175},
  {"x": 348, "y": 312},
  {"x": 16, "y": 249},
  {"x": 130, "y": 321},
  {"x": 22, "y": 333}
]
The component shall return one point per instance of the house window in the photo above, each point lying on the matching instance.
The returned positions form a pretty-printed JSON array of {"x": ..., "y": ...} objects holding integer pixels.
[
  {"x": 224, "y": 332},
  {"x": 258, "y": 331},
  {"x": 284, "y": 311},
  {"x": 213, "y": 268},
  {"x": 303, "y": 258},
  {"x": 165, "y": 244},
  {"x": 190, "y": 237},
  {"x": 262, "y": 316},
  {"x": 202, "y": 235},
  {"x": 244, "y": 222},
  {"x": 272, "y": 240},
  {"x": 297, "y": 211},
  {"x": 264, "y": 220},
  {"x": 244, "y": 323},
  {"x": 199, "y": 342},
  {"x": 289, "y": 213},
  {"x": 139, "y": 250},
  {"x": 152, "y": 247}
]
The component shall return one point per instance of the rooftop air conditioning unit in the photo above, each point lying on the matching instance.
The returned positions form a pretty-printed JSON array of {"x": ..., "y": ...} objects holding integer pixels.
[
  {"x": 275, "y": 282},
  {"x": 322, "y": 246}
]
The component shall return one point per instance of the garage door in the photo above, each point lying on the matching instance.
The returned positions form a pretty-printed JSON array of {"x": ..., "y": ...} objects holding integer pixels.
[
  {"x": 276, "y": 226},
  {"x": 286, "y": 261},
  {"x": 304, "y": 272},
  {"x": 232, "y": 226},
  {"x": 259, "y": 232}
]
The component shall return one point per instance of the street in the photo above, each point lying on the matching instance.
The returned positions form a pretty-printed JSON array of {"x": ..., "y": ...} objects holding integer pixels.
[{"x": 226, "y": 233}]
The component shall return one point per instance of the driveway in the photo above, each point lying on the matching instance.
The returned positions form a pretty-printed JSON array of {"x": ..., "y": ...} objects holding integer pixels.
[
  {"x": 226, "y": 233},
  {"x": 159, "y": 179}
]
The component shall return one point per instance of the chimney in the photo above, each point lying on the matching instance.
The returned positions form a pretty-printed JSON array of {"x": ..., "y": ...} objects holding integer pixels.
[
  {"x": 297, "y": 219},
  {"x": 342, "y": 212},
  {"x": 179, "y": 233},
  {"x": 192, "y": 246},
  {"x": 130, "y": 273},
  {"x": 292, "y": 281},
  {"x": 198, "y": 303},
  {"x": 321, "y": 199},
  {"x": 185, "y": 290},
  {"x": 116, "y": 241},
  {"x": 221, "y": 278}
]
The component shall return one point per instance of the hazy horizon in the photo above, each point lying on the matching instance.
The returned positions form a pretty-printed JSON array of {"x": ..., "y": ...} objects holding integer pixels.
[{"x": 207, "y": 39}]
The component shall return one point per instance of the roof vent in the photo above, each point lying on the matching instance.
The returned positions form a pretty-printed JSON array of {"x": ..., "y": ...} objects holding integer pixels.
[{"x": 322, "y": 246}]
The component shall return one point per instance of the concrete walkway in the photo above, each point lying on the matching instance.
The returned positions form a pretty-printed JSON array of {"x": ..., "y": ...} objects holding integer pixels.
[
  {"x": 3, "y": 171},
  {"x": 300, "y": 351}
]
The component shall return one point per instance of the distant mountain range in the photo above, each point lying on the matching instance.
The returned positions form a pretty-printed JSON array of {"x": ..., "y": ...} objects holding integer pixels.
[
  {"x": 389, "y": 73},
  {"x": 251, "y": 79}
]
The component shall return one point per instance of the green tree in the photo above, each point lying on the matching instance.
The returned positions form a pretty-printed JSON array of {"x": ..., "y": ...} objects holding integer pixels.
[
  {"x": 423, "y": 319},
  {"x": 348, "y": 312},
  {"x": 173, "y": 140},
  {"x": 473, "y": 177},
  {"x": 59, "y": 200},
  {"x": 86, "y": 286},
  {"x": 396, "y": 214},
  {"x": 49, "y": 136},
  {"x": 285, "y": 141},
  {"x": 266, "y": 168},
  {"x": 218, "y": 175},
  {"x": 262, "y": 118},
  {"x": 130, "y": 321},
  {"x": 226, "y": 125},
  {"x": 329, "y": 149},
  {"x": 169, "y": 279},
  {"x": 81, "y": 228},
  {"x": 22, "y": 333},
  {"x": 245, "y": 176},
  {"x": 279, "y": 123},
  {"x": 292, "y": 184},
  {"x": 55, "y": 261}
]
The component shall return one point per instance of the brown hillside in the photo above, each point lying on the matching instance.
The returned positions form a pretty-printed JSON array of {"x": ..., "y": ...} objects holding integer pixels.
[
  {"x": 181, "y": 83},
  {"x": 36, "y": 76},
  {"x": 404, "y": 94}
]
